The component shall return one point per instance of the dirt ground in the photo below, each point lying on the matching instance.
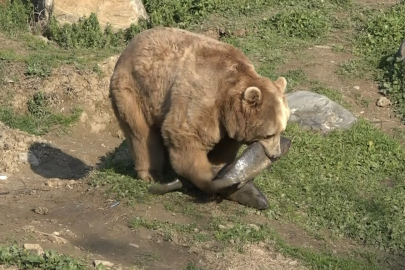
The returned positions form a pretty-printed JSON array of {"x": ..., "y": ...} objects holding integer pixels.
[{"x": 82, "y": 217}]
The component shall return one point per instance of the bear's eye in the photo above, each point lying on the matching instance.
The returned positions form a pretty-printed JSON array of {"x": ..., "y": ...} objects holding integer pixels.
[{"x": 269, "y": 136}]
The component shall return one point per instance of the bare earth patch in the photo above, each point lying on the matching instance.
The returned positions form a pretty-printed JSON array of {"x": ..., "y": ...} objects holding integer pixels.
[{"x": 49, "y": 172}]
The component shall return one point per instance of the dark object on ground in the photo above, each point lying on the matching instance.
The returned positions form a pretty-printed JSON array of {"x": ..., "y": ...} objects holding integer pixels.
[{"x": 244, "y": 169}]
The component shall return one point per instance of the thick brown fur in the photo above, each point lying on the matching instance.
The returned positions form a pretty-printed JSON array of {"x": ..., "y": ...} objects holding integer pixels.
[{"x": 197, "y": 99}]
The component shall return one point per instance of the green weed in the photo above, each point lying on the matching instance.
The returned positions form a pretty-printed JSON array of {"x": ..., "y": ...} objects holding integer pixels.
[
  {"x": 392, "y": 82},
  {"x": 355, "y": 68},
  {"x": 241, "y": 234},
  {"x": 377, "y": 41},
  {"x": 300, "y": 23},
  {"x": 296, "y": 77},
  {"x": 86, "y": 33},
  {"x": 120, "y": 177},
  {"x": 39, "y": 119},
  {"x": 338, "y": 182},
  {"x": 381, "y": 33},
  {"x": 15, "y": 17},
  {"x": 25, "y": 259}
]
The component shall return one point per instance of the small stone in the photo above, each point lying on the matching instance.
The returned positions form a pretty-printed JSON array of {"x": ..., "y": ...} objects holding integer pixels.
[
  {"x": 383, "y": 102},
  {"x": 196, "y": 230},
  {"x": 230, "y": 226},
  {"x": 254, "y": 227},
  {"x": 57, "y": 239},
  {"x": 3, "y": 177},
  {"x": 119, "y": 134},
  {"x": 69, "y": 233},
  {"x": 41, "y": 210},
  {"x": 34, "y": 247},
  {"x": 105, "y": 263},
  {"x": 231, "y": 241},
  {"x": 221, "y": 227},
  {"x": 293, "y": 263},
  {"x": 133, "y": 245},
  {"x": 53, "y": 183},
  {"x": 356, "y": 87}
]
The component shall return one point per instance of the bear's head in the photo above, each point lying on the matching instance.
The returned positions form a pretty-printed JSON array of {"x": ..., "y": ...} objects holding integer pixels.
[{"x": 261, "y": 115}]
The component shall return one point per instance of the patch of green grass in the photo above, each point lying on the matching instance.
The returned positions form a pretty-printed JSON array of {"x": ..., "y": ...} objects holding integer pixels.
[
  {"x": 9, "y": 55},
  {"x": 381, "y": 33},
  {"x": 25, "y": 259},
  {"x": 355, "y": 68},
  {"x": 242, "y": 234},
  {"x": 295, "y": 78},
  {"x": 15, "y": 17},
  {"x": 120, "y": 177},
  {"x": 327, "y": 259},
  {"x": 300, "y": 23},
  {"x": 338, "y": 182},
  {"x": 39, "y": 119},
  {"x": 392, "y": 82},
  {"x": 168, "y": 229},
  {"x": 332, "y": 94},
  {"x": 376, "y": 42}
]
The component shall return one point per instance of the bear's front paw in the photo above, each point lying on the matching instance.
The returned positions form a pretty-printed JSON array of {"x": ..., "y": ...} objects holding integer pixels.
[{"x": 150, "y": 176}]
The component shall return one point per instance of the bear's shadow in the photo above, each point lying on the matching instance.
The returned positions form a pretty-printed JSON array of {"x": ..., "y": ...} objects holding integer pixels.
[
  {"x": 55, "y": 163},
  {"x": 51, "y": 162},
  {"x": 120, "y": 161}
]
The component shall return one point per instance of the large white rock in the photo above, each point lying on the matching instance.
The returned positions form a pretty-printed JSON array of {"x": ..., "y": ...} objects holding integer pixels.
[
  {"x": 317, "y": 112},
  {"x": 119, "y": 13}
]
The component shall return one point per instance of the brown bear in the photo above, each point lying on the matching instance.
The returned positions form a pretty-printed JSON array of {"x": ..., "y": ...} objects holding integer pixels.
[{"x": 197, "y": 99}]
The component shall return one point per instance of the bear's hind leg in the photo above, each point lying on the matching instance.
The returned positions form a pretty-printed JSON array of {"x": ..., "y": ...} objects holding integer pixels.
[{"x": 145, "y": 143}]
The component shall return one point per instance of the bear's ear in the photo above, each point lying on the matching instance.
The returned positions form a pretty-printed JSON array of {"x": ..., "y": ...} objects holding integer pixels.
[
  {"x": 252, "y": 95},
  {"x": 281, "y": 83}
]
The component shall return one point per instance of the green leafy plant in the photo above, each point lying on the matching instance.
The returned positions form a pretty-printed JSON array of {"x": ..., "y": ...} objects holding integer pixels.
[
  {"x": 25, "y": 259},
  {"x": 39, "y": 118},
  {"x": 15, "y": 16},
  {"x": 350, "y": 182},
  {"x": 381, "y": 33},
  {"x": 300, "y": 23},
  {"x": 392, "y": 82}
]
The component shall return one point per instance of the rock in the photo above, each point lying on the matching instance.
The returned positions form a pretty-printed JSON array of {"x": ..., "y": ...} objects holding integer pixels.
[
  {"x": 105, "y": 263},
  {"x": 119, "y": 134},
  {"x": 383, "y": 102},
  {"x": 356, "y": 87},
  {"x": 3, "y": 177},
  {"x": 43, "y": 8},
  {"x": 52, "y": 183},
  {"x": 29, "y": 158},
  {"x": 41, "y": 210},
  {"x": 221, "y": 227},
  {"x": 133, "y": 245},
  {"x": 254, "y": 227},
  {"x": 34, "y": 247},
  {"x": 119, "y": 13},
  {"x": 57, "y": 239},
  {"x": 315, "y": 111}
]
